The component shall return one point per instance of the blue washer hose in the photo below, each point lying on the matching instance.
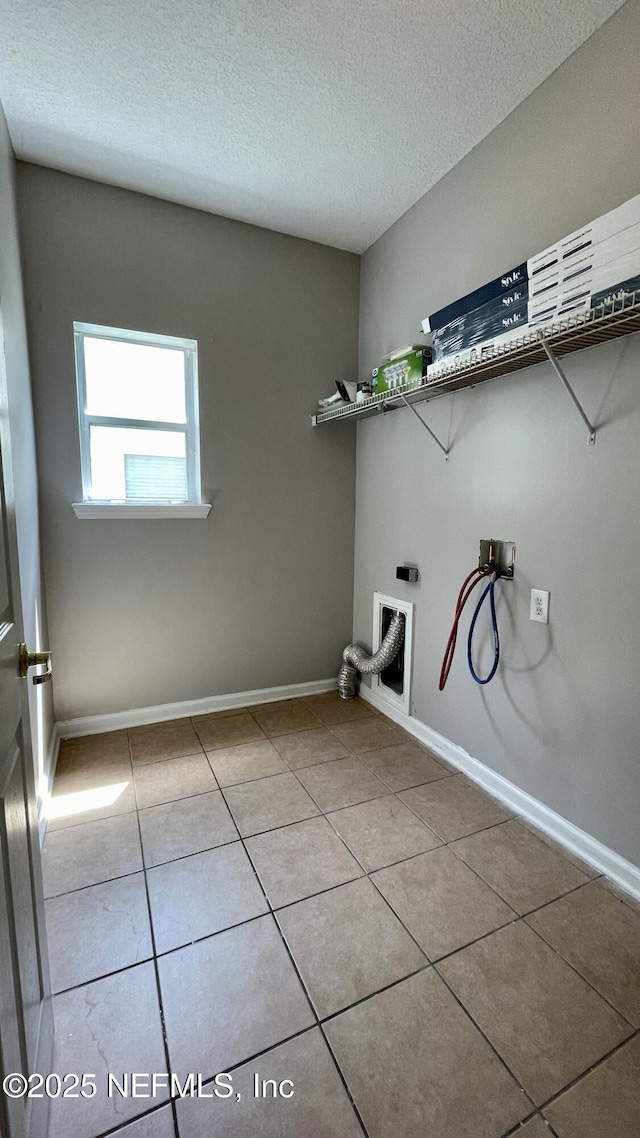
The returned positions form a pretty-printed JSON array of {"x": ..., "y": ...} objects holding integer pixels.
[{"x": 494, "y": 624}]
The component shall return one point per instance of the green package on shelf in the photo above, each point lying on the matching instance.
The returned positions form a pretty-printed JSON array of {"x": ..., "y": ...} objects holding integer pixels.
[{"x": 406, "y": 371}]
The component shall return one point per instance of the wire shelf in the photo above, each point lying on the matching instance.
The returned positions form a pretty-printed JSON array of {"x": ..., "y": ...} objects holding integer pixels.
[{"x": 618, "y": 316}]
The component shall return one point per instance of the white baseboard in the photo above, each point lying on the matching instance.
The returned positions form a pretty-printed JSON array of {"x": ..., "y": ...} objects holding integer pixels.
[
  {"x": 138, "y": 716},
  {"x": 577, "y": 841},
  {"x": 46, "y": 788}
]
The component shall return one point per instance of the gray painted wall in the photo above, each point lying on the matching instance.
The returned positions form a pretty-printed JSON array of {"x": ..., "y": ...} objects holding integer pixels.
[
  {"x": 562, "y": 718},
  {"x": 22, "y": 447},
  {"x": 259, "y": 594}
]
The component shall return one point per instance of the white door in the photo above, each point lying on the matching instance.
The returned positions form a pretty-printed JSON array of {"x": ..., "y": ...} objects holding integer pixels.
[{"x": 26, "y": 1025}]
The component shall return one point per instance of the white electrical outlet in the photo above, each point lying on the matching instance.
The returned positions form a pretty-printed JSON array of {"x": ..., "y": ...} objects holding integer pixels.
[{"x": 539, "y": 606}]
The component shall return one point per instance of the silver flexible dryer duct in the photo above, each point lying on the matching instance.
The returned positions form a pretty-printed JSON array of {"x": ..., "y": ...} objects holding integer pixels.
[{"x": 355, "y": 659}]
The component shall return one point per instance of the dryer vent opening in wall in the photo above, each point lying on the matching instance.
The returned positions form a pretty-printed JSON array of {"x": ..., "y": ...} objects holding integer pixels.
[{"x": 394, "y": 683}]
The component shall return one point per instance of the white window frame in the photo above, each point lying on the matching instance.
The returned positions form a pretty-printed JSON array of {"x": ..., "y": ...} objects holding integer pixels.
[{"x": 94, "y": 508}]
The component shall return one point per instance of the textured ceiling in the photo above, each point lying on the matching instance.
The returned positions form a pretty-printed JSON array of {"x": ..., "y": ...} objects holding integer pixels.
[{"x": 322, "y": 118}]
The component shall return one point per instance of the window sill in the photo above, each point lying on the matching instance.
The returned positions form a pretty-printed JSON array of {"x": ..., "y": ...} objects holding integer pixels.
[{"x": 121, "y": 510}]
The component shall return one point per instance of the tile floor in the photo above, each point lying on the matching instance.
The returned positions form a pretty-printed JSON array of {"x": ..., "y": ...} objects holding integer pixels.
[{"x": 300, "y": 892}]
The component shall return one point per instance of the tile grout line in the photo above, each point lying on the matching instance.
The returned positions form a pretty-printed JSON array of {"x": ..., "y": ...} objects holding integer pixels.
[
  {"x": 120, "y": 1129},
  {"x": 106, "y": 881},
  {"x": 548, "y": 1125},
  {"x": 372, "y": 995},
  {"x": 103, "y": 976},
  {"x": 181, "y": 797},
  {"x": 517, "y": 1129},
  {"x": 594, "y": 1067},
  {"x": 156, "y": 970},
  {"x": 333, "y": 810},
  {"x": 584, "y": 980},
  {"x": 552, "y": 849},
  {"x": 344, "y": 1082},
  {"x": 300, "y": 980},
  {"x": 487, "y": 1041},
  {"x": 437, "y": 959},
  {"x": 528, "y": 912},
  {"x": 589, "y": 871},
  {"x": 142, "y": 765},
  {"x": 560, "y": 897},
  {"x": 620, "y": 895},
  {"x": 445, "y": 841},
  {"x": 232, "y": 1067},
  {"x": 401, "y": 789},
  {"x": 87, "y": 822}
]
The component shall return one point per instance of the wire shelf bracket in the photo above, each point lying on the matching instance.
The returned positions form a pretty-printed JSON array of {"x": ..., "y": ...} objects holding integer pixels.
[
  {"x": 569, "y": 390},
  {"x": 426, "y": 427}
]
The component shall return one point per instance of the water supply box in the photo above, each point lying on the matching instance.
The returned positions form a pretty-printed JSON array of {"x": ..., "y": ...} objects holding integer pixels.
[{"x": 408, "y": 370}]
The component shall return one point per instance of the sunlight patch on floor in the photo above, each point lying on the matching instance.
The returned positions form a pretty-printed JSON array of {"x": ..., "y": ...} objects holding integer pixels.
[{"x": 64, "y": 805}]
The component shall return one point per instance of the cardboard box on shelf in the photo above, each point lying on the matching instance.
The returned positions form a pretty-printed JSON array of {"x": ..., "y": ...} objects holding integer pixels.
[
  {"x": 616, "y": 221},
  {"x": 490, "y": 320},
  {"x": 566, "y": 264},
  {"x": 513, "y": 278}
]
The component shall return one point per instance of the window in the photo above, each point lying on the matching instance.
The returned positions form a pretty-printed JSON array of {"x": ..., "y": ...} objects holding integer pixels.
[{"x": 138, "y": 417}]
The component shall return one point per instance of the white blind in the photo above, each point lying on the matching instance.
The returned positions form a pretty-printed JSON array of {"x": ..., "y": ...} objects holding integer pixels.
[{"x": 149, "y": 476}]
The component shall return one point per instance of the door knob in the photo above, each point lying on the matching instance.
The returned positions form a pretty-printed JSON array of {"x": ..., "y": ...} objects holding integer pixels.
[{"x": 27, "y": 659}]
